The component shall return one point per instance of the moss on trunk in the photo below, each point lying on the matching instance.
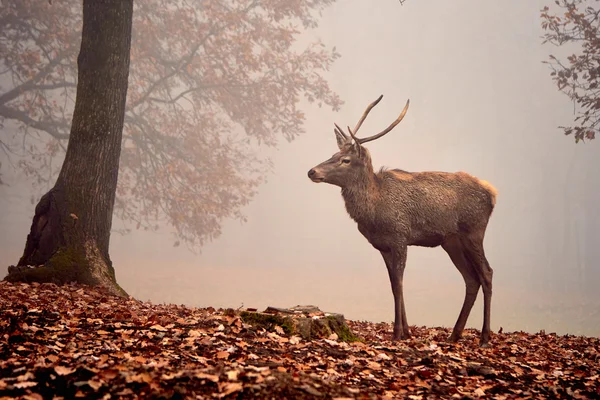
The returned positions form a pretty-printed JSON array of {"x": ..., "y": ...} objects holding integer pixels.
[{"x": 66, "y": 265}]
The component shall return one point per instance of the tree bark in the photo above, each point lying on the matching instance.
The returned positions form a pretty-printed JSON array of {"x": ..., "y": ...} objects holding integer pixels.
[{"x": 70, "y": 232}]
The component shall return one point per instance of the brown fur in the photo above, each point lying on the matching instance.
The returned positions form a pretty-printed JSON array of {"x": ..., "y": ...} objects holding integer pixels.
[
  {"x": 395, "y": 209},
  {"x": 491, "y": 190}
]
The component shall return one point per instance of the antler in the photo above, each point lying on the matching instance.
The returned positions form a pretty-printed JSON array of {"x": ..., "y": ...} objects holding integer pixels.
[
  {"x": 389, "y": 128},
  {"x": 339, "y": 130},
  {"x": 356, "y": 140},
  {"x": 380, "y": 134},
  {"x": 353, "y": 137},
  {"x": 364, "y": 116}
]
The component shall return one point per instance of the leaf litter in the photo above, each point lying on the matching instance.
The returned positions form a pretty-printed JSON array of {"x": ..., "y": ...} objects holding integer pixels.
[{"x": 73, "y": 341}]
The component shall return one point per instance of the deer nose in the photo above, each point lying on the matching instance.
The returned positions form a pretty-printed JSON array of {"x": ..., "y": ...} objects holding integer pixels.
[{"x": 311, "y": 172}]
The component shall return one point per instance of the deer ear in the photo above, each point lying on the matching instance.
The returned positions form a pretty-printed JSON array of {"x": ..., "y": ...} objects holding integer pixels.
[{"x": 341, "y": 140}]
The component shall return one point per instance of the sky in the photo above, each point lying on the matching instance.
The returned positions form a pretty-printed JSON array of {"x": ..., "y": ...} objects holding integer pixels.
[{"x": 481, "y": 101}]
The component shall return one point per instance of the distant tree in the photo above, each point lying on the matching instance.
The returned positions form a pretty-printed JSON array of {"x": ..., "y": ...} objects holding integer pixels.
[
  {"x": 575, "y": 25},
  {"x": 70, "y": 232},
  {"x": 209, "y": 81}
]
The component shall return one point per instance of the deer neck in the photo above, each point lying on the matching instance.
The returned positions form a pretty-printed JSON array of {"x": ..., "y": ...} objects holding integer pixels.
[{"x": 360, "y": 198}]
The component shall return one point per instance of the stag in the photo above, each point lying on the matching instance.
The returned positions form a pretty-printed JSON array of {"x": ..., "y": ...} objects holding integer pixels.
[{"x": 395, "y": 209}]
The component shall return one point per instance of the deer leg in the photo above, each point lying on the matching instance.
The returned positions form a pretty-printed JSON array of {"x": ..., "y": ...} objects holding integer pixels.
[
  {"x": 475, "y": 253},
  {"x": 395, "y": 261},
  {"x": 455, "y": 250}
]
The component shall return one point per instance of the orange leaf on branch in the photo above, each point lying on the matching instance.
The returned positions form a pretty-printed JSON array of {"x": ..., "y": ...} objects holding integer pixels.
[{"x": 204, "y": 76}]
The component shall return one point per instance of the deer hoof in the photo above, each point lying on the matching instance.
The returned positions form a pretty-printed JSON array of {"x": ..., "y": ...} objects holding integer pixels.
[
  {"x": 484, "y": 340},
  {"x": 453, "y": 339},
  {"x": 400, "y": 336}
]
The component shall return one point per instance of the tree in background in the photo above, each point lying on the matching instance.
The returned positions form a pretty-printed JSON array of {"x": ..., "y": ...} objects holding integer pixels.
[
  {"x": 70, "y": 232},
  {"x": 576, "y": 26},
  {"x": 209, "y": 81}
]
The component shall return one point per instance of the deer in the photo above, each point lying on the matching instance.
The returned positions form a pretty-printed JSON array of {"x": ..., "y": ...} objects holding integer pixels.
[{"x": 395, "y": 209}]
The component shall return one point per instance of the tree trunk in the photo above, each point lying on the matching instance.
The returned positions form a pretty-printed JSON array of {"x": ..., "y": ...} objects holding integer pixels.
[{"x": 70, "y": 233}]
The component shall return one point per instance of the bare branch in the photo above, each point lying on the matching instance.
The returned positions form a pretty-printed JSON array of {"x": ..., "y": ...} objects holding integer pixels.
[
  {"x": 53, "y": 128},
  {"x": 31, "y": 83},
  {"x": 179, "y": 66}
]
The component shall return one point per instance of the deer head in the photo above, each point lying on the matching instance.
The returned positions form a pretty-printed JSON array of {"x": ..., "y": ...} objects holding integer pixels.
[{"x": 353, "y": 160}]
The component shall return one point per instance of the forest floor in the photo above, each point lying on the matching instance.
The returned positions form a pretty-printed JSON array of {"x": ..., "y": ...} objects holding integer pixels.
[{"x": 76, "y": 342}]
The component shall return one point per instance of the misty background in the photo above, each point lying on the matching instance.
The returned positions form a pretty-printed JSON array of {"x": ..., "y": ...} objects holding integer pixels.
[{"x": 482, "y": 102}]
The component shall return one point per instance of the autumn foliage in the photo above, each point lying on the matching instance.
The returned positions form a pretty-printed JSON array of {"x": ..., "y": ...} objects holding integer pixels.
[
  {"x": 209, "y": 82},
  {"x": 574, "y": 26},
  {"x": 78, "y": 342}
]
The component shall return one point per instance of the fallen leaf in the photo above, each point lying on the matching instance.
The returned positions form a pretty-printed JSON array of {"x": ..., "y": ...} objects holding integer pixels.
[
  {"x": 52, "y": 358},
  {"x": 212, "y": 378},
  {"x": 232, "y": 375},
  {"x": 95, "y": 385},
  {"x": 311, "y": 390},
  {"x": 230, "y": 388},
  {"x": 61, "y": 370},
  {"x": 159, "y": 328},
  {"x": 107, "y": 375},
  {"x": 23, "y": 385},
  {"x": 140, "y": 359},
  {"x": 26, "y": 376},
  {"x": 33, "y": 396},
  {"x": 143, "y": 377}
]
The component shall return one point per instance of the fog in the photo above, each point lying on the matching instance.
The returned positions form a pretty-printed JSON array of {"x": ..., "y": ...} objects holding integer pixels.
[{"x": 482, "y": 102}]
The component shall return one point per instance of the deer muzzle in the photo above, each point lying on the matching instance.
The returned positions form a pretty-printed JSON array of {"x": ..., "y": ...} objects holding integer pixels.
[{"x": 315, "y": 176}]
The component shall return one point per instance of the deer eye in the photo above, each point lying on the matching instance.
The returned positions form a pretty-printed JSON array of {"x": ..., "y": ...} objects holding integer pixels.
[{"x": 345, "y": 161}]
